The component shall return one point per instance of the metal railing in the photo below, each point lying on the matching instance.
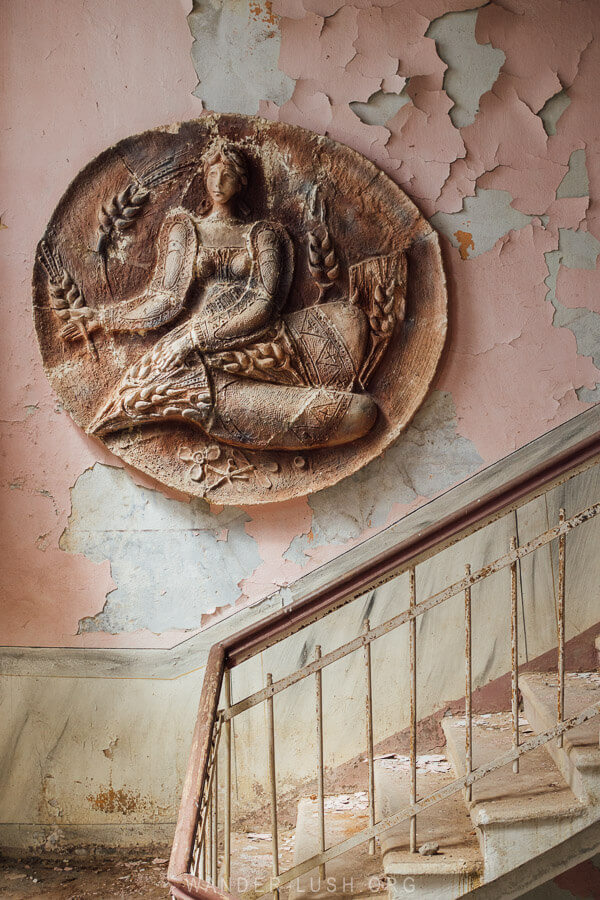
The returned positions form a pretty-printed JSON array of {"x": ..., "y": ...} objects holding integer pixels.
[{"x": 200, "y": 864}]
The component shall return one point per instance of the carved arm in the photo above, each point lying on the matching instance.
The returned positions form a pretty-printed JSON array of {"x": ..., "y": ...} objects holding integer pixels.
[
  {"x": 268, "y": 258},
  {"x": 165, "y": 297}
]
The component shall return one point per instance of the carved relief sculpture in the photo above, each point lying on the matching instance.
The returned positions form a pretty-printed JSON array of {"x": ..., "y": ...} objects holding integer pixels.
[{"x": 242, "y": 309}]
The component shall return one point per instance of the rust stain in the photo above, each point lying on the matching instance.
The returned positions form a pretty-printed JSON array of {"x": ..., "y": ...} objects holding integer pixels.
[
  {"x": 310, "y": 536},
  {"x": 465, "y": 243},
  {"x": 114, "y": 801},
  {"x": 263, "y": 14}
]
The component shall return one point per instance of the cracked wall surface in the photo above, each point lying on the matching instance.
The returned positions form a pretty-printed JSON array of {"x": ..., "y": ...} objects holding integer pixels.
[
  {"x": 484, "y": 113},
  {"x": 171, "y": 562},
  {"x": 235, "y": 53}
]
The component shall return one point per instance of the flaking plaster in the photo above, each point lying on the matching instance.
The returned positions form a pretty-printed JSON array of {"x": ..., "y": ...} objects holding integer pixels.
[{"x": 484, "y": 113}]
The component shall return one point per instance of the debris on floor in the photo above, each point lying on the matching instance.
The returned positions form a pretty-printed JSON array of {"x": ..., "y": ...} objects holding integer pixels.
[
  {"x": 429, "y": 848},
  {"x": 340, "y": 802},
  {"x": 77, "y": 879},
  {"x": 428, "y": 763}
]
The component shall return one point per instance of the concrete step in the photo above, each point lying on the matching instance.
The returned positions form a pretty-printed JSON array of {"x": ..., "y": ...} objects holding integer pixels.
[
  {"x": 579, "y": 758},
  {"x": 355, "y": 874},
  {"x": 519, "y": 816},
  {"x": 458, "y": 866}
]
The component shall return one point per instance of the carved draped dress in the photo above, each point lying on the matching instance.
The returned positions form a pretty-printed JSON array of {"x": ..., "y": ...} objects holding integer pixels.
[{"x": 189, "y": 370}]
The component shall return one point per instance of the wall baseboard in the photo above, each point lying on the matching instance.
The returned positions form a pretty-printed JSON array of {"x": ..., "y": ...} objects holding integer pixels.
[{"x": 85, "y": 840}]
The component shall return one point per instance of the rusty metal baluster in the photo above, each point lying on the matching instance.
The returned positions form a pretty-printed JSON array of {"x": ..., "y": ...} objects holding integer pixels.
[
  {"x": 468, "y": 689},
  {"x": 202, "y": 845},
  {"x": 561, "y": 626},
  {"x": 514, "y": 655},
  {"x": 208, "y": 839},
  {"x": 215, "y": 822},
  {"x": 227, "y": 786},
  {"x": 320, "y": 769},
  {"x": 412, "y": 634},
  {"x": 273, "y": 785},
  {"x": 203, "y": 839},
  {"x": 369, "y": 720}
]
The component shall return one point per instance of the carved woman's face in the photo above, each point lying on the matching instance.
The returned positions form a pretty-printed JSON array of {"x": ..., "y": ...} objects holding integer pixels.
[{"x": 222, "y": 183}]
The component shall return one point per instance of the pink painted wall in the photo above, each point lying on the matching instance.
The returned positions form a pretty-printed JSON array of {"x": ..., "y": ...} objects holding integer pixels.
[{"x": 78, "y": 76}]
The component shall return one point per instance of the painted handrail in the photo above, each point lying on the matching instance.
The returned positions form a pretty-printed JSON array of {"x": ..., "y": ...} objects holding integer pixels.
[{"x": 274, "y": 628}]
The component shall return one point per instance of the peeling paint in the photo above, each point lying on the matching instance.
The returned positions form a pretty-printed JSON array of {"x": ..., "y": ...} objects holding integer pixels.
[
  {"x": 109, "y": 751},
  {"x": 585, "y": 325},
  {"x": 578, "y": 249},
  {"x": 472, "y": 67},
  {"x": 485, "y": 113},
  {"x": 380, "y": 107},
  {"x": 552, "y": 110},
  {"x": 576, "y": 182},
  {"x": 488, "y": 216},
  {"x": 428, "y": 458},
  {"x": 168, "y": 560},
  {"x": 235, "y": 52}
]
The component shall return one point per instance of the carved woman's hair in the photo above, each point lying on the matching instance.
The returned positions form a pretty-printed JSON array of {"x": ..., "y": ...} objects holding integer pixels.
[{"x": 231, "y": 156}]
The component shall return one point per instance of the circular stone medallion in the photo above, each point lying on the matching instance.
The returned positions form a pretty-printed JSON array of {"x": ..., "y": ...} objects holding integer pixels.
[{"x": 242, "y": 309}]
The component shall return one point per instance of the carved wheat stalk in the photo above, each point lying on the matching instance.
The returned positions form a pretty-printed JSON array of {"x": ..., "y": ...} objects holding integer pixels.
[
  {"x": 322, "y": 259},
  {"x": 258, "y": 358},
  {"x": 120, "y": 213},
  {"x": 65, "y": 293},
  {"x": 382, "y": 317},
  {"x": 116, "y": 217},
  {"x": 123, "y": 209}
]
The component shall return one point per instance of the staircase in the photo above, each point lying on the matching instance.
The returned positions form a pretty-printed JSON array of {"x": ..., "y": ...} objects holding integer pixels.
[
  {"x": 511, "y": 799},
  {"x": 510, "y": 818}
]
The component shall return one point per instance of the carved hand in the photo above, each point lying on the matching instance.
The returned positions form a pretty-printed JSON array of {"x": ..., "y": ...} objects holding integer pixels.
[
  {"x": 175, "y": 352},
  {"x": 79, "y": 321}
]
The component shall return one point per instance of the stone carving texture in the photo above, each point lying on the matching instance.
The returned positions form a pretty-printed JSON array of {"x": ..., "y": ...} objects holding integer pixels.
[{"x": 242, "y": 309}]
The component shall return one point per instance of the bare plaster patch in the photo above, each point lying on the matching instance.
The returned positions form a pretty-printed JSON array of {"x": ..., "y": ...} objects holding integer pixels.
[
  {"x": 428, "y": 458},
  {"x": 552, "y": 110},
  {"x": 472, "y": 67},
  {"x": 506, "y": 364},
  {"x": 235, "y": 54},
  {"x": 380, "y": 107},
  {"x": 576, "y": 182},
  {"x": 588, "y": 395},
  {"x": 485, "y": 218},
  {"x": 578, "y": 249},
  {"x": 168, "y": 560},
  {"x": 585, "y": 325}
]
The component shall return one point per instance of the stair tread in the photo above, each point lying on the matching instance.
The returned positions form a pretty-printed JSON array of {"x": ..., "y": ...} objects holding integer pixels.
[
  {"x": 500, "y": 796},
  {"x": 353, "y": 874},
  {"x": 582, "y": 689},
  {"x": 447, "y": 823}
]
